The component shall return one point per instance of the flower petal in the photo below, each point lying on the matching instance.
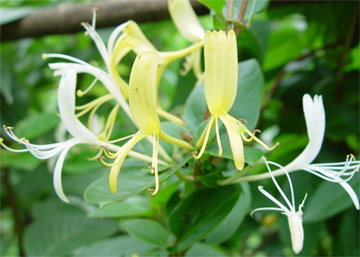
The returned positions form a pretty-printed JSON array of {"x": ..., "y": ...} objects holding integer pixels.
[
  {"x": 185, "y": 20},
  {"x": 236, "y": 143},
  {"x": 142, "y": 92},
  {"x": 315, "y": 122},
  {"x": 66, "y": 103},
  {"x": 351, "y": 193},
  {"x": 123, "y": 152},
  {"x": 58, "y": 170},
  {"x": 221, "y": 70}
]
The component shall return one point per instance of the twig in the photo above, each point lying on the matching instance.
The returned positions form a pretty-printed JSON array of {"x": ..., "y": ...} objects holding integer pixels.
[
  {"x": 242, "y": 10},
  {"x": 66, "y": 17}
]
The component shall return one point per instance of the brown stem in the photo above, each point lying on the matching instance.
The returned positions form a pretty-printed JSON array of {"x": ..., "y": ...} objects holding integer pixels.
[
  {"x": 230, "y": 12},
  {"x": 66, "y": 17},
  {"x": 11, "y": 198},
  {"x": 242, "y": 11}
]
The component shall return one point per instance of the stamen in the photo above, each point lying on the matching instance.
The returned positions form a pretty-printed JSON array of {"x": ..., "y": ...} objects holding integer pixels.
[
  {"x": 94, "y": 17},
  {"x": 218, "y": 137},
  {"x": 207, "y": 134},
  {"x": 97, "y": 156},
  {"x": 292, "y": 204},
  {"x": 106, "y": 163},
  {"x": 111, "y": 122},
  {"x": 81, "y": 93},
  {"x": 242, "y": 120},
  {"x": 152, "y": 169}
]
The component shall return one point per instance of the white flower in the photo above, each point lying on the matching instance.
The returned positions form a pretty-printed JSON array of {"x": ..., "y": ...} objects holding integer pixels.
[
  {"x": 337, "y": 172},
  {"x": 315, "y": 122},
  {"x": 294, "y": 217},
  {"x": 81, "y": 135}
]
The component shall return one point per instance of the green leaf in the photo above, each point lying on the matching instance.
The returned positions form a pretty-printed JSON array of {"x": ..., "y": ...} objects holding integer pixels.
[
  {"x": 248, "y": 99},
  {"x": 283, "y": 45},
  {"x": 36, "y": 125},
  {"x": 205, "y": 250},
  {"x": 59, "y": 230},
  {"x": 133, "y": 207},
  {"x": 231, "y": 223},
  {"x": 216, "y": 6},
  {"x": 328, "y": 200},
  {"x": 195, "y": 108},
  {"x": 133, "y": 179},
  {"x": 147, "y": 231},
  {"x": 200, "y": 213},
  {"x": 12, "y": 14},
  {"x": 117, "y": 246}
]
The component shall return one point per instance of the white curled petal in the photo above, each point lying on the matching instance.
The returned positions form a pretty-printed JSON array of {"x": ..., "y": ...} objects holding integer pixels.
[
  {"x": 315, "y": 122},
  {"x": 66, "y": 103},
  {"x": 58, "y": 171},
  {"x": 351, "y": 193}
]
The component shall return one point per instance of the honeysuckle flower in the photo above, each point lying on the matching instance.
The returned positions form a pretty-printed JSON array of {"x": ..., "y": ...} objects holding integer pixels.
[
  {"x": 142, "y": 100},
  {"x": 294, "y": 217},
  {"x": 80, "y": 134},
  {"x": 187, "y": 23},
  {"x": 337, "y": 172},
  {"x": 221, "y": 75}
]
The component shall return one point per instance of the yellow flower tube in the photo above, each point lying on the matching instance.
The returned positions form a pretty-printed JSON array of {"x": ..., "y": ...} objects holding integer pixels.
[
  {"x": 142, "y": 102},
  {"x": 221, "y": 78}
]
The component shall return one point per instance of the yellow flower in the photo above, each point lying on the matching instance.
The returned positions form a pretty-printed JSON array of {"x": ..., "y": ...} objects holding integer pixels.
[
  {"x": 142, "y": 101},
  {"x": 133, "y": 39},
  {"x": 221, "y": 75},
  {"x": 186, "y": 21}
]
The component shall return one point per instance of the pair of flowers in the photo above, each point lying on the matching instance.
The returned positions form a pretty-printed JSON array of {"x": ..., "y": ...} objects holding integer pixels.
[{"x": 340, "y": 172}]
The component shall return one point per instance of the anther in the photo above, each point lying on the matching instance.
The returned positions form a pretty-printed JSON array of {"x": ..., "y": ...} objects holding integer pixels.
[
  {"x": 243, "y": 120},
  {"x": 152, "y": 169}
]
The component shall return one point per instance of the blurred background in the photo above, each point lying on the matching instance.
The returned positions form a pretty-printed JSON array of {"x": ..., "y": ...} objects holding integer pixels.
[{"x": 302, "y": 46}]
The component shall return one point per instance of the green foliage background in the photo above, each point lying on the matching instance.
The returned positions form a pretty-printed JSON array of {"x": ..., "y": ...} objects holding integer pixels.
[{"x": 294, "y": 49}]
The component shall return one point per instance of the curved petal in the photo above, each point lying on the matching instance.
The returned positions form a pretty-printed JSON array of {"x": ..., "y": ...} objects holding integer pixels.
[
  {"x": 142, "y": 92},
  {"x": 185, "y": 20},
  {"x": 236, "y": 143},
  {"x": 315, "y": 122},
  {"x": 351, "y": 193},
  {"x": 123, "y": 152},
  {"x": 66, "y": 103},
  {"x": 106, "y": 80},
  {"x": 58, "y": 170}
]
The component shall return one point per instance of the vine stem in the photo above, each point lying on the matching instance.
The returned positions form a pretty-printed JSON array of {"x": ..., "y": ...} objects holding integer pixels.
[{"x": 230, "y": 12}]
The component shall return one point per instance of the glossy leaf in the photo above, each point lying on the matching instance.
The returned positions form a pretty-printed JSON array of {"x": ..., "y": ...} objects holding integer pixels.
[
  {"x": 133, "y": 179},
  {"x": 147, "y": 231},
  {"x": 116, "y": 246},
  {"x": 36, "y": 125},
  {"x": 133, "y": 207},
  {"x": 61, "y": 229},
  {"x": 231, "y": 223},
  {"x": 200, "y": 213}
]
